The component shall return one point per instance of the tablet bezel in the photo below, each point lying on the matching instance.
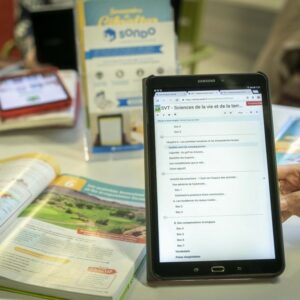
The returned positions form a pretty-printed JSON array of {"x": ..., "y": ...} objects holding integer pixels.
[{"x": 202, "y": 270}]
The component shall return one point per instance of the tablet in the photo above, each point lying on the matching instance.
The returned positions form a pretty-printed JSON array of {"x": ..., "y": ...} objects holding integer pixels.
[
  {"x": 32, "y": 92},
  {"x": 211, "y": 187}
]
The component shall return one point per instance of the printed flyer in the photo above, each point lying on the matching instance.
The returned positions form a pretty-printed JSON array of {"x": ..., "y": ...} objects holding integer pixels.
[
  {"x": 121, "y": 43},
  {"x": 288, "y": 143}
]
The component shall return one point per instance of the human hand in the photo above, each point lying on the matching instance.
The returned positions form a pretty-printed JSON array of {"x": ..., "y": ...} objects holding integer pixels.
[{"x": 289, "y": 185}]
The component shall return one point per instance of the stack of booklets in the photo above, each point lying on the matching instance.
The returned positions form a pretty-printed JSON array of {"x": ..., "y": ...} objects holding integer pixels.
[
  {"x": 56, "y": 118},
  {"x": 67, "y": 236}
]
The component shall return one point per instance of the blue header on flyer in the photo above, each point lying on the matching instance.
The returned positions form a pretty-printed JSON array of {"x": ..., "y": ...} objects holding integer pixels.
[
  {"x": 129, "y": 12},
  {"x": 140, "y": 50}
]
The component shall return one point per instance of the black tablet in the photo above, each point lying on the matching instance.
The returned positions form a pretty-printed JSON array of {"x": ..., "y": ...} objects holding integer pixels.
[{"x": 211, "y": 186}]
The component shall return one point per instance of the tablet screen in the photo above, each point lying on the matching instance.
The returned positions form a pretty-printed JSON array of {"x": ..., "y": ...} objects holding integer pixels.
[
  {"x": 31, "y": 90},
  {"x": 213, "y": 197}
]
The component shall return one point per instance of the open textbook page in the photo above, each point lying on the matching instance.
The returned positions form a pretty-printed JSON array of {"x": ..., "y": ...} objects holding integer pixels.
[
  {"x": 22, "y": 179},
  {"x": 80, "y": 239}
]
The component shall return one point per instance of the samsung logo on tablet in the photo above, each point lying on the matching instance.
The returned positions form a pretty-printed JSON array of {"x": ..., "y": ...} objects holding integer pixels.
[{"x": 206, "y": 80}]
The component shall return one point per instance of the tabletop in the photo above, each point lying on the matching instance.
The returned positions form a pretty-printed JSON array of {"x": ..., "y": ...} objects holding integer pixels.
[{"x": 67, "y": 146}]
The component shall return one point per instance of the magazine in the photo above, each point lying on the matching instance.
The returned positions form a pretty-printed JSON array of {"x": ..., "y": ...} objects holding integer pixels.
[
  {"x": 288, "y": 143},
  {"x": 67, "y": 236}
]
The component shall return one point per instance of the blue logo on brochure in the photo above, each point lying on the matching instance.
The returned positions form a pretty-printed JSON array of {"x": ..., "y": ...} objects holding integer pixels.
[
  {"x": 129, "y": 33},
  {"x": 110, "y": 34}
]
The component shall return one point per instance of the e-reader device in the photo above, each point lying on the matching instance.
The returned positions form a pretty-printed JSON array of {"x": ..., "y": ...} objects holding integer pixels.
[
  {"x": 211, "y": 186},
  {"x": 110, "y": 130}
]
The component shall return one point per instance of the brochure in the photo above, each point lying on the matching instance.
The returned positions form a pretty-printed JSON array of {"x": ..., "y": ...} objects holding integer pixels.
[
  {"x": 288, "y": 143},
  {"x": 67, "y": 236},
  {"x": 121, "y": 43}
]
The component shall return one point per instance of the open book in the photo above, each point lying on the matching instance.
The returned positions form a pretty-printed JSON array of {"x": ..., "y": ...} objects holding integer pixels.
[
  {"x": 63, "y": 117},
  {"x": 67, "y": 236}
]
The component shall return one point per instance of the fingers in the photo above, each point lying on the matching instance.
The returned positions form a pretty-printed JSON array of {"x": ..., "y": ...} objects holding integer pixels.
[
  {"x": 284, "y": 216},
  {"x": 291, "y": 203},
  {"x": 289, "y": 184},
  {"x": 286, "y": 170},
  {"x": 283, "y": 204},
  {"x": 289, "y": 178}
]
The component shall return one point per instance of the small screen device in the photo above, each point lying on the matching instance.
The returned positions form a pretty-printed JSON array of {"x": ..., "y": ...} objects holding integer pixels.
[
  {"x": 31, "y": 93},
  {"x": 110, "y": 130},
  {"x": 211, "y": 186}
]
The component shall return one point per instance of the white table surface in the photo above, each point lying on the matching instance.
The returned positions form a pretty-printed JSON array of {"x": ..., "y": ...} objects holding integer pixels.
[{"x": 66, "y": 145}]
